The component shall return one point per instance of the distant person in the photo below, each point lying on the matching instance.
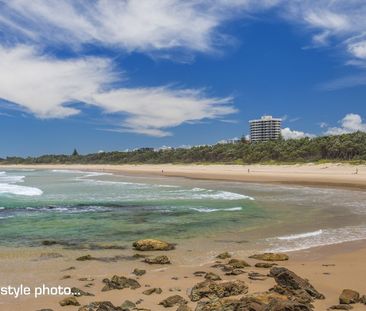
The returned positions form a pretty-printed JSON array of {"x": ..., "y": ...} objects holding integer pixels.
[
  {"x": 248, "y": 170},
  {"x": 162, "y": 171},
  {"x": 356, "y": 172}
]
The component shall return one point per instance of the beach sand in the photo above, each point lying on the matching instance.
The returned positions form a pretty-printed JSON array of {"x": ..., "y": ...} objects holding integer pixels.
[
  {"x": 330, "y": 269},
  {"x": 327, "y": 175}
]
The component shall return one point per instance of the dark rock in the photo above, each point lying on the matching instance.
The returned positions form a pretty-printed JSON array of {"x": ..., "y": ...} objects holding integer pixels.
[
  {"x": 173, "y": 301},
  {"x": 294, "y": 285},
  {"x": 49, "y": 242},
  {"x": 78, "y": 292},
  {"x": 210, "y": 289},
  {"x": 234, "y": 272},
  {"x": 86, "y": 279},
  {"x": 139, "y": 272},
  {"x": 265, "y": 265},
  {"x": 238, "y": 263},
  {"x": 119, "y": 282},
  {"x": 152, "y": 245},
  {"x": 69, "y": 268},
  {"x": 349, "y": 296},
  {"x": 66, "y": 277},
  {"x": 280, "y": 305},
  {"x": 257, "y": 276},
  {"x": 199, "y": 273},
  {"x": 101, "y": 306},
  {"x": 212, "y": 276},
  {"x": 224, "y": 255},
  {"x": 70, "y": 301},
  {"x": 184, "y": 308},
  {"x": 85, "y": 258},
  {"x": 127, "y": 305},
  {"x": 160, "y": 260},
  {"x": 153, "y": 291},
  {"x": 340, "y": 307},
  {"x": 363, "y": 299},
  {"x": 270, "y": 257},
  {"x": 45, "y": 310}
]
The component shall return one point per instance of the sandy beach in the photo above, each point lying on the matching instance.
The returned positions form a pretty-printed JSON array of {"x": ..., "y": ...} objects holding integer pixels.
[
  {"x": 329, "y": 269},
  {"x": 328, "y": 174}
]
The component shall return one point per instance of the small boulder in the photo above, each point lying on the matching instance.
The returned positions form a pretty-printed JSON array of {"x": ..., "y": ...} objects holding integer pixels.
[
  {"x": 238, "y": 263},
  {"x": 127, "y": 305},
  {"x": 152, "y": 245},
  {"x": 159, "y": 260},
  {"x": 349, "y": 296},
  {"x": 173, "y": 301},
  {"x": 78, "y": 292},
  {"x": 212, "y": 276},
  {"x": 270, "y": 257},
  {"x": 152, "y": 291},
  {"x": 184, "y": 308},
  {"x": 341, "y": 307},
  {"x": 101, "y": 306},
  {"x": 224, "y": 255},
  {"x": 119, "y": 282},
  {"x": 85, "y": 258},
  {"x": 257, "y": 276},
  {"x": 70, "y": 301},
  {"x": 265, "y": 265},
  {"x": 139, "y": 272}
]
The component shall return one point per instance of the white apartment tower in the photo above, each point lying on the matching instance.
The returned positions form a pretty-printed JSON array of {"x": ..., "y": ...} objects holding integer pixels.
[{"x": 264, "y": 129}]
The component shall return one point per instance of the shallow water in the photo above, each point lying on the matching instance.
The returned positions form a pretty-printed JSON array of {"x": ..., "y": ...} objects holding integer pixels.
[{"x": 88, "y": 207}]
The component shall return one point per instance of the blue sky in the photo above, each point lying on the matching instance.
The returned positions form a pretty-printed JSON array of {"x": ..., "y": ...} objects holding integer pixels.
[{"x": 114, "y": 75}]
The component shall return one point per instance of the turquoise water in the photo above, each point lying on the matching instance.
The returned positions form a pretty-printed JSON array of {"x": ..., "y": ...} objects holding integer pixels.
[{"x": 77, "y": 207}]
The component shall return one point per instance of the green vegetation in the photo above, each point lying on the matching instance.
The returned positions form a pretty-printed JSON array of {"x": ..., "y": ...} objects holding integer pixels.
[{"x": 347, "y": 147}]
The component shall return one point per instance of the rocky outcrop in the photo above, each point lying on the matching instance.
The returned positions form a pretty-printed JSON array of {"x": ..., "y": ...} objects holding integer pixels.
[
  {"x": 119, "y": 282},
  {"x": 212, "y": 276},
  {"x": 270, "y": 257},
  {"x": 152, "y": 245},
  {"x": 70, "y": 301},
  {"x": 78, "y": 292},
  {"x": 213, "y": 290},
  {"x": 349, "y": 296},
  {"x": 128, "y": 305},
  {"x": 172, "y": 301},
  {"x": 85, "y": 258},
  {"x": 101, "y": 306},
  {"x": 159, "y": 260},
  {"x": 293, "y": 286},
  {"x": 265, "y": 265}
]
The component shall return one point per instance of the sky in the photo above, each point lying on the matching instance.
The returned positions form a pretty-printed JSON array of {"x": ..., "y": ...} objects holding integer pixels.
[{"x": 116, "y": 75}]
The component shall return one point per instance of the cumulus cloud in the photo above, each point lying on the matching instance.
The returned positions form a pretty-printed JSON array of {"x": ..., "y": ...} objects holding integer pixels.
[
  {"x": 287, "y": 133},
  {"x": 350, "y": 123},
  {"x": 48, "y": 88}
]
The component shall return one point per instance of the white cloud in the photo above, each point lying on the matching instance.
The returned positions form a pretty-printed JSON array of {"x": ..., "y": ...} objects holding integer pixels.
[
  {"x": 47, "y": 87},
  {"x": 350, "y": 123},
  {"x": 287, "y": 133}
]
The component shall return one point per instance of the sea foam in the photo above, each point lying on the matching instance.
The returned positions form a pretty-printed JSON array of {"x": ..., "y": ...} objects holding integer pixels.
[{"x": 19, "y": 190}]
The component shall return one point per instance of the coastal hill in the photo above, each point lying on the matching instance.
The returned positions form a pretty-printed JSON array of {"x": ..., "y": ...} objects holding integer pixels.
[{"x": 345, "y": 147}]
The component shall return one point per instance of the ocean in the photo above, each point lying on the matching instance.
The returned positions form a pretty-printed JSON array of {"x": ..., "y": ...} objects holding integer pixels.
[{"x": 78, "y": 208}]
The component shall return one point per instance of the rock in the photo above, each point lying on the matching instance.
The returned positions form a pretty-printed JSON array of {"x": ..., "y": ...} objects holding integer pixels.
[
  {"x": 199, "y": 273},
  {"x": 86, "y": 279},
  {"x": 70, "y": 301},
  {"x": 211, "y": 289},
  {"x": 139, "y": 272},
  {"x": 153, "y": 291},
  {"x": 69, "y": 268},
  {"x": 152, "y": 245},
  {"x": 212, "y": 276},
  {"x": 49, "y": 242},
  {"x": 257, "y": 276},
  {"x": 291, "y": 284},
  {"x": 184, "y": 308},
  {"x": 85, "y": 258},
  {"x": 340, "y": 307},
  {"x": 127, "y": 305},
  {"x": 234, "y": 272},
  {"x": 280, "y": 305},
  {"x": 175, "y": 289},
  {"x": 45, "y": 310},
  {"x": 244, "y": 304},
  {"x": 265, "y": 265},
  {"x": 349, "y": 296},
  {"x": 173, "y": 301},
  {"x": 238, "y": 263},
  {"x": 119, "y": 282},
  {"x": 101, "y": 306},
  {"x": 270, "y": 257},
  {"x": 175, "y": 278},
  {"x": 363, "y": 299},
  {"x": 160, "y": 260},
  {"x": 78, "y": 292},
  {"x": 66, "y": 277},
  {"x": 224, "y": 255}
]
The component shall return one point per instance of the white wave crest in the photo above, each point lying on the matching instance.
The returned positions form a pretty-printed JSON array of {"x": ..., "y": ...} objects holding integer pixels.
[
  {"x": 301, "y": 235},
  {"x": 19, "y": 190},
  {"x": 210, "y": 210},
  {"x": 222, "y": 195}
]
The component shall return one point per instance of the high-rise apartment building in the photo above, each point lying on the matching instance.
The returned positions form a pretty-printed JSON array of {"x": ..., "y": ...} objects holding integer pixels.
[{"x": 264, "y": 129}]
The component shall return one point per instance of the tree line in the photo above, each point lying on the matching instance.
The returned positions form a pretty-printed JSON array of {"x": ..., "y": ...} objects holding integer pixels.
[{"x": 346, "y": 147}]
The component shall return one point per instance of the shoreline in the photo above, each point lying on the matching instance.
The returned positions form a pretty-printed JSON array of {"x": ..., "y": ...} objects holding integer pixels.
[{"x": 330, "y": 175}]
